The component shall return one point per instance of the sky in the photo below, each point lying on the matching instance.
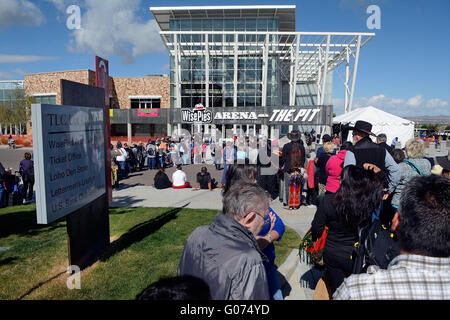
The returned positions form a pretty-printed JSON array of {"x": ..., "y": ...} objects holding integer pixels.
[{"x": 404, "y": 69}]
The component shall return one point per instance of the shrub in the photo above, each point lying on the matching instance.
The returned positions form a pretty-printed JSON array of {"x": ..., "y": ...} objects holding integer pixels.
[
  {"x": 4, "y": 141},
  {"x": 26, "y": 143}
]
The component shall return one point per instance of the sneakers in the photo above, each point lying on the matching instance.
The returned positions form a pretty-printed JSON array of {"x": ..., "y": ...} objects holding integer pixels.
[{"x": 311, "y": 206}]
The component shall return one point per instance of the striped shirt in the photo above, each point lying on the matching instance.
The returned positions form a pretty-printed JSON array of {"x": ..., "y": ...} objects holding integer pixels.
[{"x": 408, "y": 276}]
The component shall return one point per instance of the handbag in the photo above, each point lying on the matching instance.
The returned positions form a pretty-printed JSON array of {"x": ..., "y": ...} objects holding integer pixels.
[{"x": 312, "y": 252}]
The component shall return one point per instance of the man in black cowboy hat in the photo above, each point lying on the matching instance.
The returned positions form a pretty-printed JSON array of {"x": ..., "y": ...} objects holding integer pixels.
[
  {"x": 444, "y": 162},
  {"x": 295, "y": 137},
  {"x": 365, "y": 152}
]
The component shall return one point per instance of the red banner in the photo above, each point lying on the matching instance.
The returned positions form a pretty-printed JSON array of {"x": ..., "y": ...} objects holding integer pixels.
[{"x": 147, "y": 112}]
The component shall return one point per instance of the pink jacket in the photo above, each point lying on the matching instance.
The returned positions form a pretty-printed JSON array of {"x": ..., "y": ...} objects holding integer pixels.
[{"x": 333, "y": 169}]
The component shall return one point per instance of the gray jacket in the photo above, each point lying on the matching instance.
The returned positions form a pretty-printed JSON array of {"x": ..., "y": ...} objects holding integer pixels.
[
  {"x": 407, "y": 173},
  {"x": 227, "y": 257}
]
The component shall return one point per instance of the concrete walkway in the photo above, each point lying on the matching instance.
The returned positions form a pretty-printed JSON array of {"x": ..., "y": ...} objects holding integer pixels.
[{"x": 300, "y": 278}]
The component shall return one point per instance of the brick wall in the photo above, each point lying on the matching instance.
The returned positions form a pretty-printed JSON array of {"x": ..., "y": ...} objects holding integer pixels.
[{"x": 123, "y": 87}]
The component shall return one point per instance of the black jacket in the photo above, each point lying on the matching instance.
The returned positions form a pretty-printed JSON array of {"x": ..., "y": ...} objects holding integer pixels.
[
  {"x": 227, "y": 257},
  {"x": 162, "y": 181},
  {"x": 286, "y": 155},
  {"x": 340, "y": 239}
]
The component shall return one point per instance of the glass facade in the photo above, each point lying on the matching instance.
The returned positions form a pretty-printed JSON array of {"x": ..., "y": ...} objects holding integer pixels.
[
  {"x": 221, "y": 91},
  {"x": 7, "y": 89}
]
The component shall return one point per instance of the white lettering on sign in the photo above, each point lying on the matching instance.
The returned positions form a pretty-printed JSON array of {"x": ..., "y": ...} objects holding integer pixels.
[
  {"x": 235, "y": 115},
  {"x": 288, "y": 115},
  {"x": 69, "y": 159}
]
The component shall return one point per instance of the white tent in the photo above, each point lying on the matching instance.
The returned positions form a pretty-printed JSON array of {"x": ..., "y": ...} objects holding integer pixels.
[{"x": 382, "y": 122}]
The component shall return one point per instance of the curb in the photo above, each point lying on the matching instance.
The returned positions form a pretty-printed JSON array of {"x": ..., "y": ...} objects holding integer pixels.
[{"x": 288, "y": 268}]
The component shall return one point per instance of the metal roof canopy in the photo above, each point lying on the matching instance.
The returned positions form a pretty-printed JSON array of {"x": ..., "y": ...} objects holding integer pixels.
[{"x": 284, "y": 13}]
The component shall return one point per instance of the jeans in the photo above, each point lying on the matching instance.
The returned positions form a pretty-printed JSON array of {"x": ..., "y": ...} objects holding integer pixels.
[
  {"x": 28, "y": 186},
  {"x": 151, "y": 163},
  {"x": 274, "y": 284},
  {"x": 1, "y": 195},
  {"x": 122, "y": 170}
]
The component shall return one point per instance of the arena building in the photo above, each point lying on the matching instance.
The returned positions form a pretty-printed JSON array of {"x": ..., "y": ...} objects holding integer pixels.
[{"x": 242, "y": 68}]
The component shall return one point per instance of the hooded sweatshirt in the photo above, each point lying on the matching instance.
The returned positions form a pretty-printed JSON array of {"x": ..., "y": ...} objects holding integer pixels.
[{"x": 333, "y": 170}]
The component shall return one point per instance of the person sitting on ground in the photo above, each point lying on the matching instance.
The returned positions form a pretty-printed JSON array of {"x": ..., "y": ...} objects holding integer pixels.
[
  {"x": 226, "y": 254},
  {"x": 161, "y": 180},
  {"x": 203, "y": 180},
  {"x": 179, "y": 179},
  {"x": 342, "y": 212},
  {"x": 421, "y": 270},
  {"x": 176, "y": 288}
]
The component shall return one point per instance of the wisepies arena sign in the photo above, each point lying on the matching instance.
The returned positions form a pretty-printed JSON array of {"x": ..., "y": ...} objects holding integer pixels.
[
  {"x": 197, "y": 115},
  {"x": 308, "y": 115}
]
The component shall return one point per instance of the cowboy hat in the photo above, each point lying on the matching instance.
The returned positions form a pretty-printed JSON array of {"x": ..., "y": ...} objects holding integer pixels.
[
  {"x": 362, "y": 126},
  {"x": 444, "y": 162},
  {"x": 294, "y": 135}
]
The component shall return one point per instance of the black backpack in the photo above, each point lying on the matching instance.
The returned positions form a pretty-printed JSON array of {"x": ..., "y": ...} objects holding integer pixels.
[{"x": 377, "y": 245}]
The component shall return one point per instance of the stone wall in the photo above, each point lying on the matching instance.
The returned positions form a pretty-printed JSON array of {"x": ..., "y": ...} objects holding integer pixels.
[
  {"x": 123, "y": 87},
  {"x": 49, "y": 82}
]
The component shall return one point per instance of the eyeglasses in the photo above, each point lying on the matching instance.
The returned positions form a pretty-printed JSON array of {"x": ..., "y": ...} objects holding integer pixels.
[{"x": 259, "y": 214}]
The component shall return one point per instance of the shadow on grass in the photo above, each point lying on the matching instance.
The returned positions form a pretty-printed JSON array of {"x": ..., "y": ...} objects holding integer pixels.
[
  {"x": 24, "y": 223},
  {"x": 7, "y": 261},
  {"x": 139, "y": 232}
]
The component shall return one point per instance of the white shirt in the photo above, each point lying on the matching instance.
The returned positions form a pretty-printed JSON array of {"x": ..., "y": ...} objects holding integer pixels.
[
  {"x": 179, "y": 178},
  {"x": 123, "y": 156}
]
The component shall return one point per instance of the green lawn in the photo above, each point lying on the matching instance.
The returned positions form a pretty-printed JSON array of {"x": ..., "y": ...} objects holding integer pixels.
[{"x": 148, "y": 246}]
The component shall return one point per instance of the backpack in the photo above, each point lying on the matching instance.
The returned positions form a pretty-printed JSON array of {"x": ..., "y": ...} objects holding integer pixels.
[{"x": 376, "y": 246}]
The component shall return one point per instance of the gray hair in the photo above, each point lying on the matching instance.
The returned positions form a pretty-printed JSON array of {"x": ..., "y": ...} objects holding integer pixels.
[
  {"x": 415, "y": 148},
  {"x": 244, "y": 198},
  {"x": 382, "y": 137}
]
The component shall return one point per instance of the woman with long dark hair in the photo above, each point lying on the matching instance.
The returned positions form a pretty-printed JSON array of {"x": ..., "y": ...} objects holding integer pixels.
[{"x": 358, "y": 196}]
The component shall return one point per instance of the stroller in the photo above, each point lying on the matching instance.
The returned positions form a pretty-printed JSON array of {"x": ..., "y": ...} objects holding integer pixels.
[{"x": 13, "y": 188}]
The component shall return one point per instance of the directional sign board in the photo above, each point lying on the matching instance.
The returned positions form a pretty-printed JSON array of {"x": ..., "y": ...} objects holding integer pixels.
[{"x": 69, "y": 158}]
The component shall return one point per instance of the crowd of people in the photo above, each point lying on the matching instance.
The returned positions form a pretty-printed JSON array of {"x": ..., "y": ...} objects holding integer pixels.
[{"x": 362, "y": 190}]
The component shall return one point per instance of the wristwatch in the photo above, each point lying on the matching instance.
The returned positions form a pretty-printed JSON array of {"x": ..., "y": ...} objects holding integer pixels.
[{"x": 270, "y": 237}]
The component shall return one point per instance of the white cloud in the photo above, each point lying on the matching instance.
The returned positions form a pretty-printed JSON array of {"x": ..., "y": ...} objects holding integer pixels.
[
  {"x": 436, "y": 102},
  {"x": 416, "y": 105},
  {"x": 113, "y": 28},
  {"x": 20, "y": 13},
  {"x": 416, "y": 101},
  {"x": 14, "y": 58}
]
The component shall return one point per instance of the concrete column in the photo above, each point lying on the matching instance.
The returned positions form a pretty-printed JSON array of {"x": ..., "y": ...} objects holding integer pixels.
[{"x": 129, "y": 133}]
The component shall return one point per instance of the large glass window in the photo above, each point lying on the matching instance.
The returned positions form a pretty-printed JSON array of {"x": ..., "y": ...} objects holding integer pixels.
[{"x": 51, "y": 99}]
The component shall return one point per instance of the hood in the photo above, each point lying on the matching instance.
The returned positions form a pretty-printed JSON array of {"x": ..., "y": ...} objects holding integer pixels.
[{"x": 341, "y": 154}]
